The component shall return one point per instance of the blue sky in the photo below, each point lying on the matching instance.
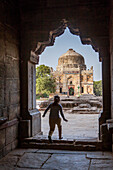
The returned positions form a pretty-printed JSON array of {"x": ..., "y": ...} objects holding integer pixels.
[{"x": 62, "y": 44}]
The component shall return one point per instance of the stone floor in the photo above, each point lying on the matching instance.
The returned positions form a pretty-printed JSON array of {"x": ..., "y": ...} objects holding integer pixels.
[
  {"x": 26, "y": 159},
  {"x": 79, "y": 126}
]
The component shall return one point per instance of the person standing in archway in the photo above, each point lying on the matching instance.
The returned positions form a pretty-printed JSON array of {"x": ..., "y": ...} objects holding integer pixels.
[{"x": 54, "y": 117}]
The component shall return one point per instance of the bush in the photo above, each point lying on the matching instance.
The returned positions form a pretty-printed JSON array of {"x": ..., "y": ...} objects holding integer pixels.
[{"x": 97, "y": 86}]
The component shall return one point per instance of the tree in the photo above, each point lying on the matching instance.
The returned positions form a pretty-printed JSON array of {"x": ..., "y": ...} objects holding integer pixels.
[
  {"x": 45, "y": 83},
  {"x": 42, "y": 71},
  {"x": 97, "y": 86}
]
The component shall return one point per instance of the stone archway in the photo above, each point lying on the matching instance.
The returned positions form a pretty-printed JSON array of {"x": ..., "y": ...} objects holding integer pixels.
[
  {"x": 59, "y": 31},
  {"x": 104, "y": 56}
]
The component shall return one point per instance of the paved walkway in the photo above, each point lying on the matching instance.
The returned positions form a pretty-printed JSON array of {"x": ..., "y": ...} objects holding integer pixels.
[
  {"x": 79, "y": 126},
  {"x": 26, "y": 159}
]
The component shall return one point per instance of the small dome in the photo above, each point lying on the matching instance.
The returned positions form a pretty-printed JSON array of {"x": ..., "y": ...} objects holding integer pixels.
[{"x": 71, "y": 57}]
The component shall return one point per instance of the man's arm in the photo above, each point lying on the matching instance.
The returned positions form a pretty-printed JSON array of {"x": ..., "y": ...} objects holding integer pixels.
[
  {"x": 61, "y": 112},
  {"x": 46, "y": 110}
]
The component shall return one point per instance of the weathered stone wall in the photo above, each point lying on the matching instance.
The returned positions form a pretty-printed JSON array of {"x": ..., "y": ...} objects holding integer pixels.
[
  {"x": 111, "y": 54},
  {"x": 9, "y": 76}
]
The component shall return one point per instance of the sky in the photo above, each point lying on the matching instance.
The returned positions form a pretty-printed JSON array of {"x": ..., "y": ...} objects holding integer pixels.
[{"x": 62, "y": 44}]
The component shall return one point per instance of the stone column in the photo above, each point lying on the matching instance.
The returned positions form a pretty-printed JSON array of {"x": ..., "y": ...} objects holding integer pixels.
[
  {"x": 105, "y": 135},
  {"x": 106, "y": 85},
  {"x": 31, "y": 117}
]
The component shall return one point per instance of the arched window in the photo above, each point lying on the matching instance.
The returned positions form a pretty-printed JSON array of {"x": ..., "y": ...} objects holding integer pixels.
[{"x": 70, "y": 82}]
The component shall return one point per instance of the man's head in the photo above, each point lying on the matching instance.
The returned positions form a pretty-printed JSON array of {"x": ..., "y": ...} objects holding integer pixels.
[{"x": 56, "y": 99}]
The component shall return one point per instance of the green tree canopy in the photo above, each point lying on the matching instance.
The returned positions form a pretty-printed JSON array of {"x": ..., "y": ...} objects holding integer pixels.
[
  {"x": 97, "y": 86},
  {"x": 42, "y": 71},
  {"x": 45, "y": 83}
]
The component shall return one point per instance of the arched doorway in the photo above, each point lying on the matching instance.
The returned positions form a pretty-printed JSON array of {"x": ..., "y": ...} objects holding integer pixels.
[
  {"x": 60, "y": 89},
  {"x": 82, "y": 89},
  {"x": 71, "y": 91}
]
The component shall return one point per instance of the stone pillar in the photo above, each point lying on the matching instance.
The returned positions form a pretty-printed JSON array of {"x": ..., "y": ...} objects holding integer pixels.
[
  {"x": 106, "y": 85},
  {"x": 34, "y": 113},
  {"x": 31, "y": 85},
  {"x": 28, "y": 95}
]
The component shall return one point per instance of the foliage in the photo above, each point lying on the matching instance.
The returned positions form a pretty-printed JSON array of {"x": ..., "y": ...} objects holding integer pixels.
[
  {"x": 45, "y": 83},
  {"x": 42, "y": 71},
  {"x": 97, "y": 86}
]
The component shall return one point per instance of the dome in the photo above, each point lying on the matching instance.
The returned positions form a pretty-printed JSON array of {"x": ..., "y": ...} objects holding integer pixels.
[{"x": 71, "y": 57}]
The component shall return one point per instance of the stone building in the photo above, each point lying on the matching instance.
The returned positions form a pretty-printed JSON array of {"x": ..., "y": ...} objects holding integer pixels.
[
  {"x": 26, "y": 29},
  {"x": 71, "y": 75}
]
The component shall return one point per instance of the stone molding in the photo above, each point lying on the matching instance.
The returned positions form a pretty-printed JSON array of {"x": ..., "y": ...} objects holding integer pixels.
[{"x": 9, "y": 123}]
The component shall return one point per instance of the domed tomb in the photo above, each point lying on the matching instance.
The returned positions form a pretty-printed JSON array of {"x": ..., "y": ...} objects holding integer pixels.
[
  {"x": 71, "y": 59},
  {"x": 71, "y": 75}
]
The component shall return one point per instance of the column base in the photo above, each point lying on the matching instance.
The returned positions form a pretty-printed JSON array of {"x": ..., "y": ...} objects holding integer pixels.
[{"x": 35, "y": 117}]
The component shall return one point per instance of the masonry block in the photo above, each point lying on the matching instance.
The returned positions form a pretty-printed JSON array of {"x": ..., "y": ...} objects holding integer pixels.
[
  {"x": 1, "y": 57},
  {"x": 35, "y": 121},
  {"x": 1, "y": 97},
  {"x": 2, "y": 138},
  {"x": 1, "y": 153},
  {"x": 16, "y": 84},
  {"x": 9, "y": 70},
  {"x": 12, "y": 38},
  {"x": 11, "y": 134},
  {"x": 2, "y": 48},
  {"x": 14, "y": 111},
  {"x": 7, "y": 98},
  {"x": 15, "y": 131},
  {"x": 5, "y": 112},
  {"x": 9, "y": 85},
  {"x": 1, "y": 83},
  {"x": 2, "y": 70},
  {"x": 12, "y": 50},
  {"x": 1, "y": 111},
  {"x": 15, "y": 97},
  {"x": 14, "y": 144},
  {"x": 25, "y": 129},
  {"x": 16, "y": 69},
  {"x": 106, "y": 137},
  {"x": 12, "y": 85},
  {"x": 7, "y": 149}
]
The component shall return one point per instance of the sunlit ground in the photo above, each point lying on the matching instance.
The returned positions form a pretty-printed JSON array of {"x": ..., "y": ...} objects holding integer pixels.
[{"x": 79, "y": 126}]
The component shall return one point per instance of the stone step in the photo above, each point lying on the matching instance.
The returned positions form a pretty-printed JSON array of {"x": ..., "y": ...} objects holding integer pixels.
[
  {"x": 28, "y": 140},
  {"x": 62, "y": 145}
]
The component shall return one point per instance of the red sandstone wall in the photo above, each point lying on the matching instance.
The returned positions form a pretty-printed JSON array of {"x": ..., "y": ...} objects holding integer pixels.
[{"x": 9, "y": 76}]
